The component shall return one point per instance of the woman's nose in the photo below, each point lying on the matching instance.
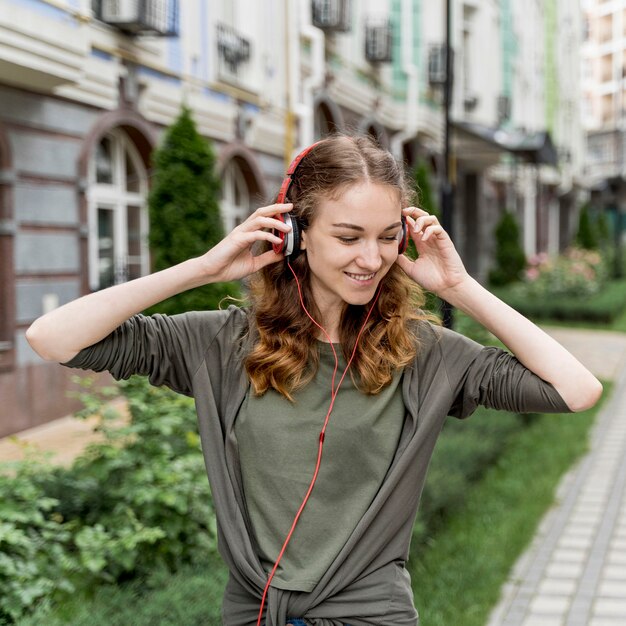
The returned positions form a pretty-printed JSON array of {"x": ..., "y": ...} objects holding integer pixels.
[{"x": 369, "y": 256}]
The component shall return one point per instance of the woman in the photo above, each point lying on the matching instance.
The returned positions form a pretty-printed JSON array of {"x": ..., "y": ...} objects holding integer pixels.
[{"x": 332, "y": 356}]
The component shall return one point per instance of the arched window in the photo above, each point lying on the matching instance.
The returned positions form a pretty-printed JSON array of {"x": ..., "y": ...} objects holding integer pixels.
[
  {"x": 324, "y": 122},
  {"x": 118, "y": 220},
  {"x": 235, "y": 195}
]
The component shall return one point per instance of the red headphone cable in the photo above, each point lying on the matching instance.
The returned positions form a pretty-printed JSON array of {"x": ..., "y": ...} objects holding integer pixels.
[{"x": 322, "y": 433}]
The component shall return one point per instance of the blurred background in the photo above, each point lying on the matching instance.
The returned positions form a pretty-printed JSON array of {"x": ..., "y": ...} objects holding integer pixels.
[{"x": 127, "y": 125}]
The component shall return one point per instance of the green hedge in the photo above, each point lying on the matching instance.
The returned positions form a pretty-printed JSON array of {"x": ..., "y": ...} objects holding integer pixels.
[{"x": 603, "y": 307}]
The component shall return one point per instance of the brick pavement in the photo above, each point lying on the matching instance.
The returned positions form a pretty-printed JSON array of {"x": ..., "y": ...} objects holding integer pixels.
[{"x": 574, "y": 572}]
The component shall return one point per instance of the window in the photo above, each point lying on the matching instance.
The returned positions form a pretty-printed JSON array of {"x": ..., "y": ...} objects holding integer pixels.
[
  {"x": 118, "y": 221},
  {"x": 235, "y": 196}
]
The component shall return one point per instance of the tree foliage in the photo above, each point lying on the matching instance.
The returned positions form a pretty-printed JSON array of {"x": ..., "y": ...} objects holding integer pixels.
[
  {"x": 184, "y": 211},
  {"x": 510, "y": 259},
  {"x": 587, "y": 235}
]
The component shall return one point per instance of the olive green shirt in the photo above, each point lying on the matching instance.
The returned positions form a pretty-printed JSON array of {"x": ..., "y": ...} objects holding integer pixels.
[{"x": 278, "y": 446}]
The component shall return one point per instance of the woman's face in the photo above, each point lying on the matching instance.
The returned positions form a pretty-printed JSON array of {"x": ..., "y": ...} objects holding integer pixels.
[{"x": 350, "y": 244}]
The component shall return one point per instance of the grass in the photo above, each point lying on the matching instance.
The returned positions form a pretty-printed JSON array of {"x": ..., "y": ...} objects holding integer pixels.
[{"x": 457, "y": 576}]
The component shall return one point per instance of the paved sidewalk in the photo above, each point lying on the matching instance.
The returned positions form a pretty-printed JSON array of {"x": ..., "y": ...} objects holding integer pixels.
[
  {"x": 574, "y": 572},
  {"x": 64, "y": 439}
]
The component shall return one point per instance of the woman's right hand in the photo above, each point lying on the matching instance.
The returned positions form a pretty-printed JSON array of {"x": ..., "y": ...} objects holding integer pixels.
[{"x": 232, "y": 258}]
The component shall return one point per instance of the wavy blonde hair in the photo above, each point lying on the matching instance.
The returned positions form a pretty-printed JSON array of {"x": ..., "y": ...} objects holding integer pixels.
[{"x": 284, "y": 355}]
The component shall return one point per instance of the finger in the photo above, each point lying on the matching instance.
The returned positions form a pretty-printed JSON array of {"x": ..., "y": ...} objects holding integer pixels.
[
  {"x": 260, "y": 235},
  {"x": 432, "y": 231},
  {"x": 423, "y": 222},
  {"x": 405, "y": 264},
  {"x": 414, "y": 211},
  {"x": 273, "y": 209},
  {"x": 267, "y": 258},
  {"x": 267, "y": 222}
]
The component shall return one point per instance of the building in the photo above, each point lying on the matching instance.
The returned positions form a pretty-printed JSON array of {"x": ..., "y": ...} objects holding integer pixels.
[
  {"x": 87, "y": 87},
  {"x": 604, "y": 105}
]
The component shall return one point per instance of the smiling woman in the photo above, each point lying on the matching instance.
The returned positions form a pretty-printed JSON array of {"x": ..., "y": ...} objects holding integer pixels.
[{"x": 333, "y": 354}]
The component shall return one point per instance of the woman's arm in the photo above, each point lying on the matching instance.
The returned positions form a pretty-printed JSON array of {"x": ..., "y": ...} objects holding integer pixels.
[
  {"x": 62, "y": 333},
  {"x": 439, "y": 269}
]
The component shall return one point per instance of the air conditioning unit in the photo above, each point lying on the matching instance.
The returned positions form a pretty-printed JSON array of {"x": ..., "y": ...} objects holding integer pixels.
[
  {"x": 503, "y": 107},
  {"x": 437, "y": 64},
  {"x": 140, "y": 17},
  {"x": 378, "y": 39},
  {"x": 332, "y": 15}
]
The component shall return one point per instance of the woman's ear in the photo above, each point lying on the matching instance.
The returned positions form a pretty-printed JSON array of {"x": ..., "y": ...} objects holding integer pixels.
[{"x": 303, "y": 239}]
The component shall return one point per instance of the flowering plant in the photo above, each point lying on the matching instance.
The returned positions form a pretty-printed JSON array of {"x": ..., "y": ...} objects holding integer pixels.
[{"x": 577, "y": 272}]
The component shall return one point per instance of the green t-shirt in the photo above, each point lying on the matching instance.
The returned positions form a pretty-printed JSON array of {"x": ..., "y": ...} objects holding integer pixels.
[{"x": 278, "y": 444}]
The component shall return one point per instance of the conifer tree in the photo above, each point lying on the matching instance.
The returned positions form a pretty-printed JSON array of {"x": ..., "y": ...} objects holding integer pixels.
[
  {"x": 586, "y": 237},
  {"x": 184, "y": 211},
  {"x": 510, "y": 258}
]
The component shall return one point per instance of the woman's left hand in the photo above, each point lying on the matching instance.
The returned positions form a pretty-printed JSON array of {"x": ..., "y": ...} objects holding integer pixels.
[{"x": 438, "y": 267}]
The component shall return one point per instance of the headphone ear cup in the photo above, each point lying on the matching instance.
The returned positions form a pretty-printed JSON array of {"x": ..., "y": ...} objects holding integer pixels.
[
  {"x": 295, "y": 239},
  {"x": 403, "y": 244},
  {"x": 290, "y": 244}
]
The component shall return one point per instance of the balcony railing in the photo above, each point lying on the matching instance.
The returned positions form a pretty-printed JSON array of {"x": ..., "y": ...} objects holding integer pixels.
[
  {"x": 233, "y": 49},
  {"x": 378, "y": 41},
  {"x": 332, "y": 15}
]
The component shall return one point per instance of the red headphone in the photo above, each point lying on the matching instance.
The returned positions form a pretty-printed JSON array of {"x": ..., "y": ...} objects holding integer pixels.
[{"x": 290, "y": 242}]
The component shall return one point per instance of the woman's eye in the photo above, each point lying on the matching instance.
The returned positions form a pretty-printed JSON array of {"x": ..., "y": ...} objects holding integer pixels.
[
  {"x": 347, "y": 239},
  {"x": 391, "y": 238}
]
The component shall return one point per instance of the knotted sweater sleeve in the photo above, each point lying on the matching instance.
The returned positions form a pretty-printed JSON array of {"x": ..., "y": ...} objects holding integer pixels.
[{"x": 493, "y": 378}]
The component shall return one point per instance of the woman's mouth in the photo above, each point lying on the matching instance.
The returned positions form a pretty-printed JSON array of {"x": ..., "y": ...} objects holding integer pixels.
[{"x": 363, "y": 278}]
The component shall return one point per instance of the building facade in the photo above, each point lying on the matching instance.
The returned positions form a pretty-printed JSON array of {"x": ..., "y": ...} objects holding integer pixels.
[
  {"x": 604, "y": 106},
  {"x": 87, "y": 87}
]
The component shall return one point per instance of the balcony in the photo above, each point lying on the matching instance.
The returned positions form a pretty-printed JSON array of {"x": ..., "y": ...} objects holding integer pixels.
[
  {"x": 40, "y": 52},
  {"x": 234, "y": 52},
  {"x": 503, "y": 109},
  {"x": 378, "y": 40},
  {"x": 139, "y": 17},
  {"x": 437, "y": 64},
  {"x": 332, "y": 15}
]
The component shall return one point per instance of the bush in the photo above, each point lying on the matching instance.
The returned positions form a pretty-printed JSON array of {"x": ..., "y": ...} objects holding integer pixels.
[
  {"x": 136, "y": 503},
  {"x": 587, "y": 235},
  {"x": 184, "y": 210},
  {"x": 577, "y": 272},
  {"x": 509, "y": 257}
]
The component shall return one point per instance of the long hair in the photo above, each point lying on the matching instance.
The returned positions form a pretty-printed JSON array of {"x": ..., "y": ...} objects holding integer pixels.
[{"x": 284, "y": 355}]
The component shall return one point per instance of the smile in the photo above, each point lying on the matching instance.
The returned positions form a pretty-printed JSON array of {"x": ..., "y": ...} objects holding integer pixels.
[{"x": 361, "y": 277}]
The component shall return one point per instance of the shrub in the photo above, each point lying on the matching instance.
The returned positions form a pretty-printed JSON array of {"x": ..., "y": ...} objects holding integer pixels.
[
  {"x": 135, "y": 503},
  {"x": 509, "y": 256},
  {"x": 577, "y": 272},
  {"x": 587, "y": 235},
  {"x": 184, "y": 211}
]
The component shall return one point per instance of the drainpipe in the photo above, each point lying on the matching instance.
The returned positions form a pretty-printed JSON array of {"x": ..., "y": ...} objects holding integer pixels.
[{"x": 410, "y": 69}]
